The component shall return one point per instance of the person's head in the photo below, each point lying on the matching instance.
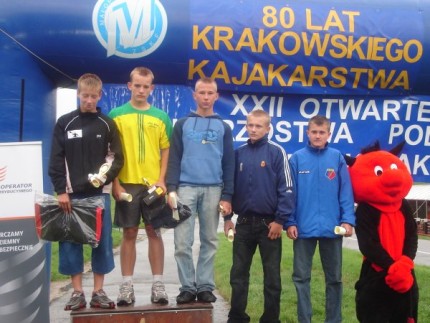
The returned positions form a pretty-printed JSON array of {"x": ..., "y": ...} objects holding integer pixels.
[
  {"x": 140, "y": 86},
  {"x": 318, "y": 131},
  {"x": 89, "y": 92},
  {"x": 205, "y": 94},
  {"x": 257, "y": 124}
]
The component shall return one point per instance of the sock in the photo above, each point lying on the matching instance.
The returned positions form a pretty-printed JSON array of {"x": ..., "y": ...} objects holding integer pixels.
[
  {"x": 157, "y": 278},
  {"x": 127, "y": 279}
]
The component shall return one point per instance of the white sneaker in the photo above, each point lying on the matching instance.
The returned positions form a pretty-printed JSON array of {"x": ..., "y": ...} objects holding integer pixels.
[
  {"x": 158, "y": 293},
  {"x": 126, "y": 294}
]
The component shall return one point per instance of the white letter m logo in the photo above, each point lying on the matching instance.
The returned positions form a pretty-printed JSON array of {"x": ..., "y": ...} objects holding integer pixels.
[{"x": 130, "y": 28}]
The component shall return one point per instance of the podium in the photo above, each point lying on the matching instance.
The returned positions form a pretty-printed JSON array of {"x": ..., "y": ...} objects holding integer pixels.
[{"x": 195, "y": 312}]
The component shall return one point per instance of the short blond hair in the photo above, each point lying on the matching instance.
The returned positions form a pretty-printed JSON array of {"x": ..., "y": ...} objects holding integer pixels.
[
  {"x": 260, "y": 113},
  {"x": 142, "y": 71},
  {"x": 206, "y": 80},
  {"x": 91, "y": 81}
]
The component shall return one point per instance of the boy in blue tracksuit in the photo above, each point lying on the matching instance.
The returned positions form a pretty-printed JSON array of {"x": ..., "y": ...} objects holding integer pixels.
[
  {"x": 324, "y": 200},
  {"x": 263, "y": 199}
]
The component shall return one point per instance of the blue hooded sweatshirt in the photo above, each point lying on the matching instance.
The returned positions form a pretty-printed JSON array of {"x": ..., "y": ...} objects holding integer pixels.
[{"x": 201, "y": 154}]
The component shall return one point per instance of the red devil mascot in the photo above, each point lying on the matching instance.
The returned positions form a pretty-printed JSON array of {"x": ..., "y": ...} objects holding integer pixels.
[{"x": 387, "y": 290}]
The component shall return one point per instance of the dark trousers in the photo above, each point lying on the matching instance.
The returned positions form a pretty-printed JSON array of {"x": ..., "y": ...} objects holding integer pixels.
[{"x": 250, "y": 233}]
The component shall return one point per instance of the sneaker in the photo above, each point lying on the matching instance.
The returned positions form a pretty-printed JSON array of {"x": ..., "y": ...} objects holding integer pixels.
[
  {"x": 76, "y": 302},
  {"x": 100, "y": 300},
  {"x": 158, "y": 293},
  {"x": 126, "y": 294},
  {"x": 206, "y": 297},
  {"x": 185, "y": 297}
]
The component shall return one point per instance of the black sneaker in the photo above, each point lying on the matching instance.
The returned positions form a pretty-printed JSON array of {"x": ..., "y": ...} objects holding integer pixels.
[
  {"x": 206, "y": 297},
  {"x": 100, "y": 300},
  {"x": 76, "y": 302},
  {"x": 185, "y": 297}
]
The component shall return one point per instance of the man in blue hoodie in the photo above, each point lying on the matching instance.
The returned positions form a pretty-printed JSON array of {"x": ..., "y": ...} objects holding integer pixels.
[
  {"x": 263, "y": 199},
  {"x": 200, "y": 173},
  {"x": 324, "y": 201}
]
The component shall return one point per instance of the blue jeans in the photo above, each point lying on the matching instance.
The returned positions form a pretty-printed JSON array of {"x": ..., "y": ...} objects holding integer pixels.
[
  {"x": 71, "y": 258},
  {"x": 203, "y": 202},
  {"x": 331, "y": 259},
  {"x": 248, "y": 236}
]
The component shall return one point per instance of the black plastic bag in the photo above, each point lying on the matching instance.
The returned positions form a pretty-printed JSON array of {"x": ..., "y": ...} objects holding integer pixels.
[
  {"x": 160, "y": 215},
  {"x": 83, "y": 225}
]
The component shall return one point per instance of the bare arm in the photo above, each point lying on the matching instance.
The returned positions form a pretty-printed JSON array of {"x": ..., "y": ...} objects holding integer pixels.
[{"x": 163, "y": 169}]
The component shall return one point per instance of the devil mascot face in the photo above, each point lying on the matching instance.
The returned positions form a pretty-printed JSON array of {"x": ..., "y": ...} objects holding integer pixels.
[{"x": 387, "y": 236}]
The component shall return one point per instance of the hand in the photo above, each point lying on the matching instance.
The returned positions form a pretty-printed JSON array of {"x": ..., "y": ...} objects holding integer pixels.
[
  {"x": 117, "y": 189},
  {"x": 162, "y": 185},
  {"x": 275, "y": 230},
  {"x": 399, "y": 276},
  {"x": 349, "y": 229},
  {"x": 64, "y": 203},
  {"x": 226, "y": 207},
  {"x": 292, "y": 232}
]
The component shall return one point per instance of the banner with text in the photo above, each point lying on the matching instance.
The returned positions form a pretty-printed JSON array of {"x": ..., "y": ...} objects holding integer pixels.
[
  {"x": 356, "y": 121},
  {"x": 307, "y": 47},
  {"x": 354, "y": 47},
  {"x": 23, "y": 272}
]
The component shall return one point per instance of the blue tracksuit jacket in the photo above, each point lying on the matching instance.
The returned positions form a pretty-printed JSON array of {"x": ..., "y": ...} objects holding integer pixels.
[
  {"x": 263, "y": 183},
  {"x": 324, "y": 192}
]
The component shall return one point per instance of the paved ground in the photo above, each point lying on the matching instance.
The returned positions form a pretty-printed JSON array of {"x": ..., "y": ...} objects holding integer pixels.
[
  {"x": 422, "y": 257},
  {"x": 142, "y": 282},
  {"x": 60, "y": 292}
]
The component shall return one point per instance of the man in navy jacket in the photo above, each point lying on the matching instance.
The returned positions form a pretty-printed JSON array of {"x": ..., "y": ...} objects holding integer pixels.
[{"x": 263, "y": 199}]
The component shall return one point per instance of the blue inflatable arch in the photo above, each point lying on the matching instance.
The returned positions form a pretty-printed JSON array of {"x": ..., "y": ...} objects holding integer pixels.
[{"x": 362, "y": 63}]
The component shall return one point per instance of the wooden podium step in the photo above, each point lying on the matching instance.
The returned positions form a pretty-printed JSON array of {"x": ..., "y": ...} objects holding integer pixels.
[{"x": 188, "y": 313}]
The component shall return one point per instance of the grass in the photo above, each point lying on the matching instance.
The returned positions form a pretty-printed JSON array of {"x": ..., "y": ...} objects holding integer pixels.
[
  {"x": 424, "y": 236},
  {"x": 351, "y": 268}
]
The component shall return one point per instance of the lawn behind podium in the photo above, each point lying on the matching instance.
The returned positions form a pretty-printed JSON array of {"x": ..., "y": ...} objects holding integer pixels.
[{"x": 351, "y": 268}]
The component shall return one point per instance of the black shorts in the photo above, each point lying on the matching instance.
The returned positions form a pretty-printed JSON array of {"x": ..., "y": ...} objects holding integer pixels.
[{"x": 129, "y": 214}]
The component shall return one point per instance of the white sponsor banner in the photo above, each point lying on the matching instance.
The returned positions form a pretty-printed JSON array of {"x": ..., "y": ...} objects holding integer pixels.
[{"x": 20, "y": 177}]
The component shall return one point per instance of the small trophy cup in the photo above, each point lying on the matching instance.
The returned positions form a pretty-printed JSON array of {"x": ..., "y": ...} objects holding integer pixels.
[
  {"x": 97, "y": 179},
  {"x": 174, "y": 201}
]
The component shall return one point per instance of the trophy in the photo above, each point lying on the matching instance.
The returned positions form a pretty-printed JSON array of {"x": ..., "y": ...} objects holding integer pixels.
[
  {"x": 230, "y": 235},
  {"x": 97, "y": 179},
  {"x": 153, "y": 193},
  {"x": 174, "y": 202},
  {"x": 124, "y": 196},
  {"x": 339, "y": 230}
]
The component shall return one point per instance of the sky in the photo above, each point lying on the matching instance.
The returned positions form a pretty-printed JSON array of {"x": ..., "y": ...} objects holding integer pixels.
[{"x": 66, "y": 101}]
